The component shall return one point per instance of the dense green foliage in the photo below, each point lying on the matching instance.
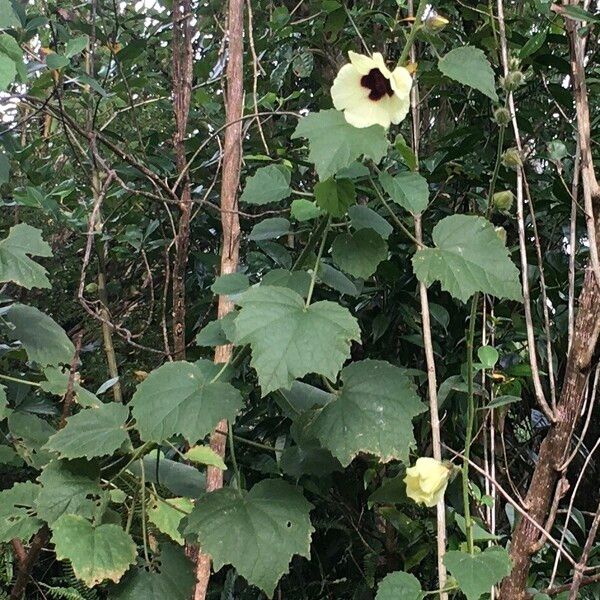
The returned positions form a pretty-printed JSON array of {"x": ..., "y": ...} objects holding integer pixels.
[{"x": 326, "y": 393}]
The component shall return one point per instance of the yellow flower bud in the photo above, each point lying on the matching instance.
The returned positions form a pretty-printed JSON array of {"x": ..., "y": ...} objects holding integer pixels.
[
  {"x": 426, "y": 482},
  {"x": 501, "y": 233},
  {"x": 435, "y": 23},
  {"x": 503, "y": 201}
]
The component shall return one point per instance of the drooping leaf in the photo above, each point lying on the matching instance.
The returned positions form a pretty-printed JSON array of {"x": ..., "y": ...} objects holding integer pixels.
[
  {"x": 235, "y": 527},
  {"x": 399, "y": 586},
  {"x": 269, "y": 229},
  {"x": 17, "y": 512},
  {"x": 268, "y": 184},
  {"x": 174, "y": 579},
  {"x": 9, "y": 457},
  {"x": 205, "y": 455},
  {"x": 68, "y": 487},
  {"x": 309, "y": 459},
  {"x": 178, "y": 398},
  {"x": 289, "y": 340},
  {"x": 15, "y": 265},
  {"x": 168, "y": 514},
  {"x": 8, "y": 17},
  {"x": 8, "y": 71},
  {"x": 229, "y": 284},
  {"x": 304, "y": 210},
  {"x": 363, "y": 217},
  {"x": 44, "y": 340},
  {"x": 334, "y": 196},
  {"x": 477, "y": 573},
  {"x": 359, "y": 253},
  {"x": 299, "y": 281},
  {"x": 335, "y": 144},
  {"x": 337, "y": 280},
  {"x": 373, "y": 413},
  {"x": 92, "y": 432},
  {"x": 76, "y": 45},
  {"x": 96, "y": 552},
  {"x": 579, "y": 14},
  {"x": 29, "y": 434},
  {"x": 409, "y": 190},
  {"x": 469, "y": 65},
  {"x": 468, "y": 257},
  {"x": 215, "y": 332}
]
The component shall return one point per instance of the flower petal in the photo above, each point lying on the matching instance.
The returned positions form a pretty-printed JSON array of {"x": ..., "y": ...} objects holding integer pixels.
[
  {"x": 401, "y": 81},
  {"x": 380, "y": 64},
  {"x": 362, "y": 63},
  {"x": 346, "y": 90},
  {"x": 397, "y": 108},
  {"x": 369, "y": 112}
]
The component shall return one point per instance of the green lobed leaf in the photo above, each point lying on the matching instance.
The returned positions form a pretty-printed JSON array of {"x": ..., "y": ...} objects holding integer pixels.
[
  {"x": 359, "y": 253},
  {"x": 17, "y": 512},
  {"x": 205, "y": 455},
  {"x": 268, "y": 184},
  {"x": 44, "y": 340},
  {"x": 29, "y": 434},
  {"x": 57, "y": 381},
  {"x": 76, "y": 45},
  {"x": 299, "y": 281},
  {"x": 166, "y": 515},
  {"x": 215, "y": 332},
  {"x": 174, "y": 579},
  {"x": 269, "y": 229},
  {"x": 469, "y": 257},
  {"x": 399, "y": 586},
  {"x": 92, "y": 432},
  {"x": 15, "y": 265},
  {"x": 8, "y": 17},
  {"x": 335, "y": 196},
  {"x": 409, "y": 190},
  {"x": 179, "y": 398},
  {"x": 96, "y": 552},
  {"x": 244, "y": 528},
  {"x": 68, "y": 487},
  {"x": 469, "y": 65},
  {"x": 373, "y": 413},
  {"x": 305, "y": 210},
  {"x": 229, "y": 284},
  {"x": 335, "y": 144},
  {"x": 477, "y": 573},
  {"x": 289, "y": 340}
]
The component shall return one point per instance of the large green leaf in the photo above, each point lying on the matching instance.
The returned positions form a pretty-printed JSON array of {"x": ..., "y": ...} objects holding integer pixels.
[
  {"x": 359, "y": 253},
  {"x": 8, "y": 71},
  {"x": 168, "y": 514},
  {"x": 92, "y": 432},
  {"x": 268, "y": 184},
  {"x": 29, "y": 434},
  {"x": 174, "y": 579},
  {"x": 335, "y": 144},
  {"x": 96, "y": 552},
  {"x": 335, "y": 196},
  {"x": 363, "y": 217},
  {"x": 179, "y": 398},
  {"x": 477, "y": 573},
  {"x": 469, "y": 257},
  {"x": 399, "y": 586},
  {"x": 17, "y": 513},
  {"x": 44, "y": 340},
  {"x": 409, "y": 190},
  {"x": 373, "y": 413},
  {"x": 15, "y": 265},
  {"x": 257, "y": 532},
  {"x": 68, "y": 487},
  {"x": 469, "y": 65},
  {"x": 289, "y": 339},
  {"x": 8, "y": 17}
]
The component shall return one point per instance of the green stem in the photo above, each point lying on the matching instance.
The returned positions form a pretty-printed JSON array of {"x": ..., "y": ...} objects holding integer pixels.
[
  {"x": 413, "y": 32},
  {"x": 470, "y": 421},
  {"x": 17, "y": 380},
  {"x": 496, "y": 169},
  {"x": 144, "y": 533},
  {"x": 312, "y": 242},
  {"x": 313, "y": 277},
  {"x": 394, "y": 216},
  {"x": 236, "y": 469},
  {"x": 242, "y": 440}
]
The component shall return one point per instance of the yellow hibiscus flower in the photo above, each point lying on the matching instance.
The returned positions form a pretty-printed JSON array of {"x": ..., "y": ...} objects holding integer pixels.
[
  {"x": 426, "y": 482},
  {"x": 369, "y": 93}
]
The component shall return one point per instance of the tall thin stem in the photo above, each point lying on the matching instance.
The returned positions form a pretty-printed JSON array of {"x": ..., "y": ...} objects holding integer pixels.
[{"x": 313, "y": 277}]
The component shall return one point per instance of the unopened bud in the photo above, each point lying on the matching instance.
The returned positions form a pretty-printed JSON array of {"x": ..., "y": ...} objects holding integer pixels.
[
  {"x": 503, "y": 201},
  {"x": 434, "y": 23},
  {"x": 501, "y": 233},
  {"x": 514, "y": 63},
  {"x": 511, "y": 158},
  {"x": 513, "y": 81},
  {"x": 502, "y": 116}
]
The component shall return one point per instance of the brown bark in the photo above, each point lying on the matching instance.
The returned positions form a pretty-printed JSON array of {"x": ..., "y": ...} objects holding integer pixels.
[
  {"x": 230, "y": 224},
  {"x": 554, "y": 448},
  {"x": 182, "y": 90}
]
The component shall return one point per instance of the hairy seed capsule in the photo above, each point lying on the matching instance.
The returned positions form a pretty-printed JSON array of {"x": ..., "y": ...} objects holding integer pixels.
[
  {"x": 511, "y": 158},
  {"x": 513, "y": 80},
  {"x": 503, "y": 201},
  {"x": 502, "y": 116}
]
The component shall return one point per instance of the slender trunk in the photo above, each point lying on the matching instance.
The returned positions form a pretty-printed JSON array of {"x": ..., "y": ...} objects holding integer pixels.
[
  {"x": 230, "y": 224},
  {"x": 182, "y": 90}
]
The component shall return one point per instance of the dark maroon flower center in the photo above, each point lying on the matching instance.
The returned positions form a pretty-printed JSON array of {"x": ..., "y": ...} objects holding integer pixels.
[{"x": 377, "y": 84}]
